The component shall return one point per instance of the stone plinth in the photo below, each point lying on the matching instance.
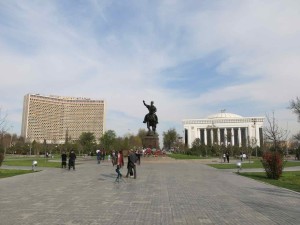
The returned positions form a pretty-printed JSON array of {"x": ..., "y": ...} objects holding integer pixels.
[{"x": 151, "y": 141}]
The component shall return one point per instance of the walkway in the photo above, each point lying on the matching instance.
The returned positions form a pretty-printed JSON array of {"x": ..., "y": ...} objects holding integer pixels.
[{"x": 165, "y": 192}]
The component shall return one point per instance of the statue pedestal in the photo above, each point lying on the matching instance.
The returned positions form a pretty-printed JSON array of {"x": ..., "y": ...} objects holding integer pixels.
[{"x": 151, "y": 141}]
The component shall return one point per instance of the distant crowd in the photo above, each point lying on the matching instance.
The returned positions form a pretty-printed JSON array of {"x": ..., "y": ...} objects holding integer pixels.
[{"x": 117, "y": 159}]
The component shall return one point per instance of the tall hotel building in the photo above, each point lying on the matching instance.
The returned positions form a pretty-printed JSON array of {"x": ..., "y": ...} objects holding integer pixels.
[{"x": 53, "y": 118}]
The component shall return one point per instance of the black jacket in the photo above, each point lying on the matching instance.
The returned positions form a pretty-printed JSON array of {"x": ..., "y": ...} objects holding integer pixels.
[{"x": 72, "y": 156}]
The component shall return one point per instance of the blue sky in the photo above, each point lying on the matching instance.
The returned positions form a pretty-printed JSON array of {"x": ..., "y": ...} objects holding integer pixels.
[{"x": 193, "y": 58}]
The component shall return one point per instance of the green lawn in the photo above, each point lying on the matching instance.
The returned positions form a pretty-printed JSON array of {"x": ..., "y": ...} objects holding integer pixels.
[
  {"x": 246, "y": 165},
  {"x": 184, "y": 156},
  {"x": 42, "y": 162},
  {"x": 9, "y": 173},
  {"x": 289, "y": 180}
]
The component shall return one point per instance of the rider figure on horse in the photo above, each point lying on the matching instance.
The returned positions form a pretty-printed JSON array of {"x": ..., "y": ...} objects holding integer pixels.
[{"x": 151, "y": 115}]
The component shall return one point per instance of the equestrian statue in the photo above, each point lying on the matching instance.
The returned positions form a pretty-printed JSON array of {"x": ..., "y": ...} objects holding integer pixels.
[{"x": 151, "y": 117}]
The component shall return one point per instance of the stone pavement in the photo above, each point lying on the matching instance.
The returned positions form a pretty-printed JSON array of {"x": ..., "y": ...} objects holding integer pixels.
[{"x": 165, "y": 192}]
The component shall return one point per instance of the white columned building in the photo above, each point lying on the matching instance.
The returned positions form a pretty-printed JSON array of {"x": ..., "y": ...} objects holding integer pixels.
[{"x": 225, "y": 129}]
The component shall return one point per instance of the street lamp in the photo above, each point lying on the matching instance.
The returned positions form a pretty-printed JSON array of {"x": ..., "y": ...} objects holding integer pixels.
[
  {"x": 239, "y": 166},
  {"x": 29, "y": 145},
  {"x": 255, "y": 139},
  {"x": 34, "y": 165}
]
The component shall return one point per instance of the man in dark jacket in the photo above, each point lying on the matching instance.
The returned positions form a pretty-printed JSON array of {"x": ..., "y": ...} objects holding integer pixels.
[
  {"x": 131, "y": 163},
  {"x": 63, "y": 160},
  {"x": 98, "y": 153},
  {"x": 72, "y": 158}
]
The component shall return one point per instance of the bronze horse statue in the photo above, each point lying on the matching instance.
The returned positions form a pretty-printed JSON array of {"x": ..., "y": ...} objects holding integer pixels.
[
  {"x": 151, "y": 118},
  {"x": 152, "y": 123}
]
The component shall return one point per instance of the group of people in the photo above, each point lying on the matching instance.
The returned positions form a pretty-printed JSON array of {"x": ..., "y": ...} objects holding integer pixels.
[
  {"x": 118, "y": 160},
  {"x": 71, "y": 163},
  {"x": 243, "y": 156},
  {"x": 100, "y": 155},
  {"x": 226, "y": 156}
]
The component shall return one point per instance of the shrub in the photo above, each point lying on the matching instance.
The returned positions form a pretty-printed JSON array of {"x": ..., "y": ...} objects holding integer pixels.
[{"x": 273, "y": 164}]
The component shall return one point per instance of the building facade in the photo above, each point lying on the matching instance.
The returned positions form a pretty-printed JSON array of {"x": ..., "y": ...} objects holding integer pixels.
[
  {"x": 225, "y": 129},
  {"x": 53, "y": 118}
]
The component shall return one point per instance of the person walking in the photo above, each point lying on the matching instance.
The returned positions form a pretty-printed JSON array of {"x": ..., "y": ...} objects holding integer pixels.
[
  {"x": 138, "y": 155},
  {"x": 119, "y": 174},
  {"x": 129, "y": 167},
  {"x": 98, "y": 154},
  {"x": 113, "y": 158},
  {"x": 131, "y": 164},
  {"x": 227, "y": 156},
  {"x": 72, "y": 158},
  {"x": 120, "y": 159},
  {"x": 64, "y": 160}
]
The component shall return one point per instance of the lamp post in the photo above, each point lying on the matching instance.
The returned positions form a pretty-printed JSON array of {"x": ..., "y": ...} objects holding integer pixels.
[
  {"x": 239, "y": 166},
  {"x": 29, "y": 145},
  {"x": 212, "y": 127},
  {"x": 255, "y": 139}
]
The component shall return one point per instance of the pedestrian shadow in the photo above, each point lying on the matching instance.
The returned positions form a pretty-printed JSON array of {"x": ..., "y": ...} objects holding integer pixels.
[
  {"x": 110, "y": 176},
  {"x": 102, "y": 164}
]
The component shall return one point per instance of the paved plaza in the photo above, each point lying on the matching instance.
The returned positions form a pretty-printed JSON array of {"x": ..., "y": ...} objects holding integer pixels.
[{"x": 166, "y": 191}]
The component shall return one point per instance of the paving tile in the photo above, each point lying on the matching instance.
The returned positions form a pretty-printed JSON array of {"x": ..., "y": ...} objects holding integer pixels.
[{"x": 166, "y": 192}]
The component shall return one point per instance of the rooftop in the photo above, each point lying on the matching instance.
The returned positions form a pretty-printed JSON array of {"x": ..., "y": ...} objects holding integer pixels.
[{"x": 224, "y": 115}]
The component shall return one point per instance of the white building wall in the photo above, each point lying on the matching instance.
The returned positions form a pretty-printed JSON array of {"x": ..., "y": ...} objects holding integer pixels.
[{"x": 228, "y": 121}]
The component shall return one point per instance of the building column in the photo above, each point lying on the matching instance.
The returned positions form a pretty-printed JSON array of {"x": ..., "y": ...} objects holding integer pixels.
[
  {"x": 199, "y": 133},
  {"x": 239, "y": 137},
  {"x": 205, "y": 136},
  {"x": 257, "y": 137},
  {"x": 191, "y": 136},
  {"x": 247, "y": 137},
  {"x": 225, "y": 136},
  {"x": 212, "y": 136},
  {"x": 219, "y": 136},
  {"x": 232, "y": 137},
  {"x": 250, "y": 134}
]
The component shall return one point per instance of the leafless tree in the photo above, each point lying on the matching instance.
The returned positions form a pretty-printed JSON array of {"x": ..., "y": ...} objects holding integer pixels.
[
  {"x": 275, "y": 134},
  {"x": 297, "y": 137},
  {"x": 3, "y": 128},
  {"x": 295, "y": 107},
  {"x": 3, "y": 123}
]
